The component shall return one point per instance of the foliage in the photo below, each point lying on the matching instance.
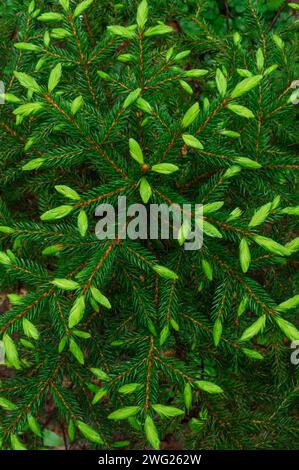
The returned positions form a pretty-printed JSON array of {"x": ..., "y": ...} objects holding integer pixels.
[{"x": 144, "y": 332}]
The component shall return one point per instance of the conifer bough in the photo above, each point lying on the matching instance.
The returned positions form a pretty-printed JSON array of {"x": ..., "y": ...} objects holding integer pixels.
[{"x": 140, "y": 337}]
